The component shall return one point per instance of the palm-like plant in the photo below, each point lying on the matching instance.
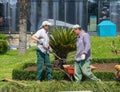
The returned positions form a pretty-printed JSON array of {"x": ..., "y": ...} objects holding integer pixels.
[{"x": 62, "y": 41}]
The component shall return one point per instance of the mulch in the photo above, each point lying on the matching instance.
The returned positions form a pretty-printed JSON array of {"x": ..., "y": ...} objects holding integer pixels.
[{"x": 105, "y": 67}]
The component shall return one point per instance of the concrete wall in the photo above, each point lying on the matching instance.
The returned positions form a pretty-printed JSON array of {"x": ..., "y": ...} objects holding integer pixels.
[{"x": 13, "y": 40}]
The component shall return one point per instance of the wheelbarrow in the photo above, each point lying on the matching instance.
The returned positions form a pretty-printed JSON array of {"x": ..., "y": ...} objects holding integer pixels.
[{"x": 67, "y": 69}]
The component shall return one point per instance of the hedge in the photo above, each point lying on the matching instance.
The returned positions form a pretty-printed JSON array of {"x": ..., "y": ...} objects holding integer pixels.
[
  {"x": 107, "y": 76},
  {"x": 100, "y": 60},
  {"x": 105, "y": 60},
  {"x": 20, "y": 73},
  {"x": 3, "y": 46},
  {"x": 3, "y": 37}
]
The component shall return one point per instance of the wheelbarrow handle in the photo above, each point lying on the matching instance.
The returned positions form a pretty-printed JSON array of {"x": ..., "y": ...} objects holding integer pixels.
[{"x": 56, "y": 56}]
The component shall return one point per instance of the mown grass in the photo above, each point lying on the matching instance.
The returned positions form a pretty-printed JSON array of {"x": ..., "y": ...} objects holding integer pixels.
[
  {"x": 11, "y": 60},
  {"x": 101, "y": 48}
]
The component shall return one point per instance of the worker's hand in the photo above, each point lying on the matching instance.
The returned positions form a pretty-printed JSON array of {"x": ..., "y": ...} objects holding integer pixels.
[{"x": 83, "y": 56}]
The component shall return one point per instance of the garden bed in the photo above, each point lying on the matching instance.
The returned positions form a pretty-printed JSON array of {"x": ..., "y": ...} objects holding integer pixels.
[
  {"x": 27, "y": 71},
  {"x": 105, "y": 67}
]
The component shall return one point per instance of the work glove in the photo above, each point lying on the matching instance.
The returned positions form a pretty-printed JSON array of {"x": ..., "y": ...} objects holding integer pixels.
[{"x": 83, "y": 56}]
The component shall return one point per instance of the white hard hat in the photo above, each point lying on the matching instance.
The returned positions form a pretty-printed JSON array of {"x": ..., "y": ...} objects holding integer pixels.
[
  {"x": 75, "y": 27},
  {"x": 46, "y": 23}
]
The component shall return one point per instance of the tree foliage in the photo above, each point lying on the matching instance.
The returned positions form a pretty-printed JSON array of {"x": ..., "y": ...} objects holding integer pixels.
[{"x": 62, "y": 41}]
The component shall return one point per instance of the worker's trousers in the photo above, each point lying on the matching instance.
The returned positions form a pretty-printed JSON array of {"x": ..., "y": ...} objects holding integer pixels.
[
  {"x": 43, "y": 59},
  {"x": 83, "y": 67}
]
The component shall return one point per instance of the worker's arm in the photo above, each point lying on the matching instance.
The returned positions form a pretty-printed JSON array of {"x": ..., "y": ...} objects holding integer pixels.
[
  {"x": 35, "y": 38},
  {"x": 87, "y": 45}
]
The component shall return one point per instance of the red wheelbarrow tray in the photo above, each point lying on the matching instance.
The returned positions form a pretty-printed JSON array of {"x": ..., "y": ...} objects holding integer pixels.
[{"x": 70, "y": 68}]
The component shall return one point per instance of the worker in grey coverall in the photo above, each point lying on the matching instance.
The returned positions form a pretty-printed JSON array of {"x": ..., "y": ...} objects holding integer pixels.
[
  {"x": 83, "y": 55},
  {"x": 42, "y": 38}
]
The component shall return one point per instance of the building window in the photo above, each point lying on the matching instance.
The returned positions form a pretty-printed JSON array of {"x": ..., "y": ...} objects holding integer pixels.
[{"x": 87, "y": 13}]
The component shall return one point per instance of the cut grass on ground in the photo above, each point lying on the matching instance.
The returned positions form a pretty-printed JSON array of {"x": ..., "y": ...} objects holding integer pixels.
[{"x": 57, "y": 86}]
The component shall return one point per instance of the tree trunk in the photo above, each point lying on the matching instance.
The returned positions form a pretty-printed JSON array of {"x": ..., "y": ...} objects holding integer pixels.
[
  {"x": 23, "y": 7},
  {"x": 22, "y": 37}
]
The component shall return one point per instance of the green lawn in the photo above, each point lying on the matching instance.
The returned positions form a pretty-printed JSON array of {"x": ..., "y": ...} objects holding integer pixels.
[
  {"x": 11, "y": 60},
  {"x": 100, "y": 49}
]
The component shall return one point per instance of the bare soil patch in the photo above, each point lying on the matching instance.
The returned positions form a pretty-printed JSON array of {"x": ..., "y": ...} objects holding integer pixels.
[{"x": 105, "y": 67}]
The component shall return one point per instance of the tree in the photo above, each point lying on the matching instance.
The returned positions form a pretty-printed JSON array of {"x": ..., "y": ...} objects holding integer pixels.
[
  {"x": 62, "y": 41},
  {"x": 23, "y": 7}
]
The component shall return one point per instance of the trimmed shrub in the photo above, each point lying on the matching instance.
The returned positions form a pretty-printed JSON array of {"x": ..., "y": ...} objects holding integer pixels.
[
  {"x": 3, "y": 46},
  {"x": 106, "y": 60},
  {"x": 21, "y": 74},
  {"x": 3, "y": 37},
  {"x": 97, "y": 60},
  {"x": 58, "y": 75},
  {"x": 107, "y": 76}
]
